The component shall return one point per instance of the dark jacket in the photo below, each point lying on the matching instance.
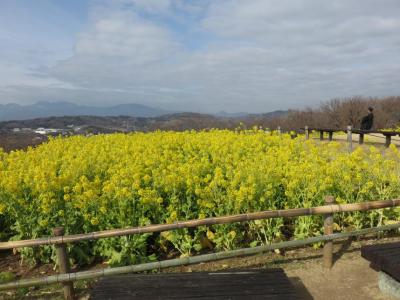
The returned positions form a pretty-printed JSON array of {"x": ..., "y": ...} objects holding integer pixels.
[{"x": 367, "y": 122}]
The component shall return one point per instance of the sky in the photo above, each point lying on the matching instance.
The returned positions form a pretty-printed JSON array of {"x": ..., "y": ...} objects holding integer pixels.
[{"x": 198, "y": 55}]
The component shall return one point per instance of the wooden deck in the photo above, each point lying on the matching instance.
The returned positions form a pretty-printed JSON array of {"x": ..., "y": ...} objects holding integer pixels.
[
  {"x": 241, "y": 284},
  {"x": 384, "y": 257}
]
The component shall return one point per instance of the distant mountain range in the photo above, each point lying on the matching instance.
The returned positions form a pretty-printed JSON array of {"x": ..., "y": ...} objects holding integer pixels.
[
  {"x": 239, "y": 115},
  {"x": 57, "y": 109},
  {"x": 43, "y": 109}
]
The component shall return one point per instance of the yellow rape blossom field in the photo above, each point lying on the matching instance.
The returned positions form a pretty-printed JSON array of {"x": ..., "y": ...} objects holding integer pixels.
[{"x": 115, "y": 181}]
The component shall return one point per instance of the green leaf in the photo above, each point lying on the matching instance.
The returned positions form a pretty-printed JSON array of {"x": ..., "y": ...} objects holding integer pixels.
[{"x": 254, "y": 244}]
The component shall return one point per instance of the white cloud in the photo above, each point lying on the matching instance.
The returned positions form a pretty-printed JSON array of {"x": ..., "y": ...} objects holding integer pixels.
[
  {"x": 114, "y": 49},
  {"x": 126, "y": 36},
  {"x": 151, "y": 6}
]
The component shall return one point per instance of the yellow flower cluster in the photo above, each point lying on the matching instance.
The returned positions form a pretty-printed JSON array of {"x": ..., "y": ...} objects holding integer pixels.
[{"x": 114, "y": 181}]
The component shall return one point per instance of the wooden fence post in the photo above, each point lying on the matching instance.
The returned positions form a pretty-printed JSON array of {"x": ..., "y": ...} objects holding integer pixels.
[
  {"x": 328, "y": 229},
  {"x": 350, "y": 139},
  {"x": 388, "y": 140},
  {"x": 330, "y": 135},
  {"x": 307, "y": 132},
  {"x": 361, "y": 139},
  {"x": 321, "y": 135},
  {"x": 63, "y": 264}
]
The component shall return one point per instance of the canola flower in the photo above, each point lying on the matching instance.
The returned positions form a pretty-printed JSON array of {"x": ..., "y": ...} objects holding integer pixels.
[{"x": 115, "y": 181}]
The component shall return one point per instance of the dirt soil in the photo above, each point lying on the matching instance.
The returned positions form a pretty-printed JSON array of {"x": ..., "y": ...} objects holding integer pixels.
[{"x": 350, "y": 278}]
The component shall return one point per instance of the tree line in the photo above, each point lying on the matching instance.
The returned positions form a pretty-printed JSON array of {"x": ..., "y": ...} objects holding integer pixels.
[{"x": 337, "y": 113}]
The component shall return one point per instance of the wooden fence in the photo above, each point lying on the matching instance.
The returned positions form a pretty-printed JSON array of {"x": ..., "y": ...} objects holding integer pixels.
[
  {"x": 59, "y": 240},
  {"x": 388, "y": 135}
]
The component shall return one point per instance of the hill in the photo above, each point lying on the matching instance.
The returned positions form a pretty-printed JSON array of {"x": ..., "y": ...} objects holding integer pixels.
[
  {"x": 46, "y": 109},
  {"x": 18, "y": 134}
]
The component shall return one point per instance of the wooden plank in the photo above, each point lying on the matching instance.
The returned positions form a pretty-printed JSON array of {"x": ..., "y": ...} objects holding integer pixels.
[
  {"x": 249, "y": 284},
  {"x": 189, "y": 293},
  {"x": 195, "y": 282},
  {"x": 178, "y": 292},
  {"x": 385, "y": 257},
  {"x": 356, "y": 130},
  {"x": 391, "y": 269},
  {"x": 373, "y": 255},
  {"x": 231, "y": 297},
  {"x": 378, "y": 247}
]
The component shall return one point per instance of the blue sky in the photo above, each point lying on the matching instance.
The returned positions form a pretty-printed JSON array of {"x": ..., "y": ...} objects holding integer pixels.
[
  {"x": 43, "y": 25},
  {"x": 199, "y": 55}
]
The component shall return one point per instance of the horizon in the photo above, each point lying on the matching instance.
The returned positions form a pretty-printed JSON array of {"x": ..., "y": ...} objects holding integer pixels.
[
  {"x": 108, "y": 105},
  {"x": 198, "y": 56}
]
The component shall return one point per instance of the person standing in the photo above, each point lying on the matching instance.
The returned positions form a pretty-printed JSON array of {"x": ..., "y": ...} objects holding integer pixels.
[{"x": 368, "y": 121}]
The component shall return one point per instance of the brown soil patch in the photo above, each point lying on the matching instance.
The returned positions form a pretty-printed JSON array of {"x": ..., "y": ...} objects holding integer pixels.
[{"x": 350, "y": 278}]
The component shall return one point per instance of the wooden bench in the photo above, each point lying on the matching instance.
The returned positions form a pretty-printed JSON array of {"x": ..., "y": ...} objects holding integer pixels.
[
  {"x": 239, "y": 284},
  {"x": 387, "y": 134},
  {"x": 385, "y": 258}
]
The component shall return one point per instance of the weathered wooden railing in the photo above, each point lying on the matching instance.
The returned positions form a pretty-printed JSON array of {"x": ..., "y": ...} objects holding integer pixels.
[
  {"x": 67, "y": 278},
  {"x": 349, "y": 130}
]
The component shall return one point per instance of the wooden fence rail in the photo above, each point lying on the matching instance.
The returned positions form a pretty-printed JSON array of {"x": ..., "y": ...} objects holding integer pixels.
[
  {"x": 59, "y": 240},
  {"x": 349, "y": 130},
  {"x": 84, "y": 275},
  {"x": 267, "y": 214}
]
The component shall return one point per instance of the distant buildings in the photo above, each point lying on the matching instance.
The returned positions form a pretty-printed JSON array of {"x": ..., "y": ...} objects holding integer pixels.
[
  {"x": 21, "y": 129},
  {"x": 52, "y": 131},
  {"x": 69, "y": 130},
  {"x": 42, "y": 130}
]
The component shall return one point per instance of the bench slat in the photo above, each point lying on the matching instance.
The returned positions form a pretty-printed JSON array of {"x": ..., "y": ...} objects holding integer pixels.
[
  {"x": 385, "y": 257},
  {"x": 244, "y": 284}
]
